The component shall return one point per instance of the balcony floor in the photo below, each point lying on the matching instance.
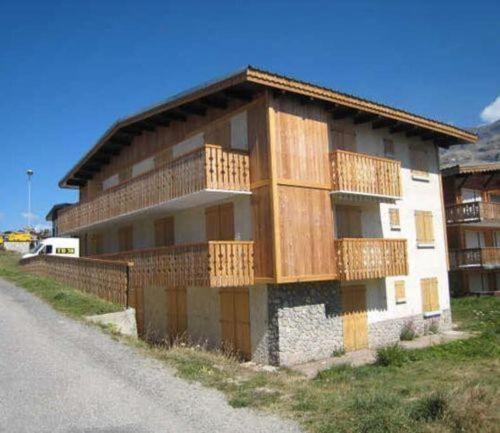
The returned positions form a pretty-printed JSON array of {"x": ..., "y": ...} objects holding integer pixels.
[
  {"x": 196, "y": 199},
  {"x": 350, "y": 196}
]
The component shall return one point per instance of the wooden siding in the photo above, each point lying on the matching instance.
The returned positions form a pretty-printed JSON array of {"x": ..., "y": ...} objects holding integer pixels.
[
  {"x": 206, "y": 168},
  {"x": 262, "y": 233},
  {"x": 364, "y": 258},
  {"x": 106, "y": 279},
  {"x": 306, "y": 226},
  {"x": 471, "y": 212},
  {"x": 365, "y": 174}
]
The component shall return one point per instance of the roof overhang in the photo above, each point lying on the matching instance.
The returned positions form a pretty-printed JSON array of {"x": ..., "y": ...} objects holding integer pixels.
[
  {"x": 478, "y": 176},
  {"x": 244, "y": 85}
]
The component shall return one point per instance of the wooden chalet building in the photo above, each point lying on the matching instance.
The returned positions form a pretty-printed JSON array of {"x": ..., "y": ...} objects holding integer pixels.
[
  {"x": 284, "y": 218},
  {"x": 472, "y": 199}
]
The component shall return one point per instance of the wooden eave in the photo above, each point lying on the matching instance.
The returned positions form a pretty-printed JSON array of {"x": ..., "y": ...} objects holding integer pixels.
[{"x": 243, "y": 85}]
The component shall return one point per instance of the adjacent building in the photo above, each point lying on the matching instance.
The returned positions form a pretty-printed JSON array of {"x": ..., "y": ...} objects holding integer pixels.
[
  {"x": 472, "y": 199},
  {"x": 285, "y": 219}
]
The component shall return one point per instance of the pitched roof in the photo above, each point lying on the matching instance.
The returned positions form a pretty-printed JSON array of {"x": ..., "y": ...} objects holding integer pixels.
[
  {"x": 470, "y": 169},
  {"x": 244, "y": 84}
]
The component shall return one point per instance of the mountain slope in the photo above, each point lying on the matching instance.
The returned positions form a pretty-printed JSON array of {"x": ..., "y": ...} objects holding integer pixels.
[{"x": 487, "y": 148}]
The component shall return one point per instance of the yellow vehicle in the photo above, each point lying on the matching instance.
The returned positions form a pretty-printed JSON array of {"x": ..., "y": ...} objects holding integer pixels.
[{"x": 18, "y": 237}]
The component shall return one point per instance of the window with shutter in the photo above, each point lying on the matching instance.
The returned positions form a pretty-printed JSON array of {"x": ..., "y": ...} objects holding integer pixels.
[
  {"x": 219, "y": 222},
  {"x": 164, "y": 232},
  {"x": 420, "y": 165},
  {"x": 126, "y": 238},
  {"x": 394, "y": 219},
  {"x": 430, "y": 295},
  {"x": 389, "y": 148},
  {"x": 425, "y": 228},
  {"x": 400, "y": 292}
]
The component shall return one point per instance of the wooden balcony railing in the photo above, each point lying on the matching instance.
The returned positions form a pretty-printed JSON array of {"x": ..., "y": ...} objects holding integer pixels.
[
  {"x": 364, "y": 258},
  {"x": 209, "y": 167},
  {"x": 487, "y": 257},
  {"x": 365, "y": 174},
  {"x": 472, "y": 212},
  {"x": 207, "y": 264}
]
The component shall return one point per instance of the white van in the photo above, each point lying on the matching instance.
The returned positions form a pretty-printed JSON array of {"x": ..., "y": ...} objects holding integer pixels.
[{"x": 67, "y": 247}]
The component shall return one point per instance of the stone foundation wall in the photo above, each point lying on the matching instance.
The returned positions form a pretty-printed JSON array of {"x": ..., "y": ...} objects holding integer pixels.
[
  {"x": 304, "y": 321},
  {"x": 387, "y": 332}
]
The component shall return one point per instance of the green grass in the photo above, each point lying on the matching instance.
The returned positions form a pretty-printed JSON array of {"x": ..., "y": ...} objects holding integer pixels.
[
  {"x": 63, "y": 298},
  {"x": 449, "y": 388}
]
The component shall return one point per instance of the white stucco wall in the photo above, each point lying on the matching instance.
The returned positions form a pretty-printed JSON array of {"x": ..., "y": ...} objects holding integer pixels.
[{"x": 417, "y": 195}]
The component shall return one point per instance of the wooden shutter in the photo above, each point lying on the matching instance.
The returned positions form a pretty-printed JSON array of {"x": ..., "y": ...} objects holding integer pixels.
[
  {"x": 420, "y": 165},
  {"x": 343, "y": 137},
  {"x": 164, "y": 231},
  {"x": 212, "y": 223},
  {"x": 389, "y": 148},
  {"x": 400, "y": 291},
  {"x": 394, "y": 219},
  {"x": 226, "y": 215},
  {"x": 424, "y": 226},
  {"x": 348, "y": 219},
  {"x": 219, "y": 222},
  {"x": 235, "y": 319},
  {"x": 430, "y": 294},
  {"x": 124, "y": 174},
  {"x": 96, "y": 244},
  {"x": 177, "y": 311},
  {"x": 126, "y": 238}
]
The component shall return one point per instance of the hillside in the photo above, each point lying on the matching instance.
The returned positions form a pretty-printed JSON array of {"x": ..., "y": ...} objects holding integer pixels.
[{"x": 487, "y": 149}]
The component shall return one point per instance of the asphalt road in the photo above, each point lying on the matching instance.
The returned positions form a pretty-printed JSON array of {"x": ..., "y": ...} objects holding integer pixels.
[{"x": 58, "y": 375}]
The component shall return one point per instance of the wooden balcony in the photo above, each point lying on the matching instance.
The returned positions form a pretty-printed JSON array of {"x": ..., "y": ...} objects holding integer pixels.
[
  {"x": 209, "y": 169},
  {"x": 474, "y": 213},
  {"x": 365, "y": 175},
  {"x": 488, "y": 258},
  {"x": 207, "y": 264},
  {"x": 365, "y": 258}
]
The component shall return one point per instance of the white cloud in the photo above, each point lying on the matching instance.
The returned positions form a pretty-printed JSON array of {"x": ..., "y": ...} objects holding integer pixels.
[
  {"x": 32, "y": 216},
  {"x": 491, "y": 113},
  {"x": 42, "y": 226}
]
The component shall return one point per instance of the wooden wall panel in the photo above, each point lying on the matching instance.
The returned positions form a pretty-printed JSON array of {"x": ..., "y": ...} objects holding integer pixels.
[
  {"x": 301, "y": 141},
  {"x": 262, "y": 232},
  {"x": 258, "y": 143},
  {"x": 306, "y": 226}
]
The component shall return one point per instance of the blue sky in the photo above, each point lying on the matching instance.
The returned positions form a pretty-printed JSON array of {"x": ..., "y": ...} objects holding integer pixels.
[{"x": 68, "y": 69}]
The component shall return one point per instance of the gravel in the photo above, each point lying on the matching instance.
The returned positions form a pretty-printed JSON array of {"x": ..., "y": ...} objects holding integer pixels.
[{"x": 59, "y": 375}]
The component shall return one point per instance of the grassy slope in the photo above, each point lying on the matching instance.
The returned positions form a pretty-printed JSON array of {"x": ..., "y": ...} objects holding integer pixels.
[
  {"x": 61, "y": 297},
  {"x": 448, "y": 388}
]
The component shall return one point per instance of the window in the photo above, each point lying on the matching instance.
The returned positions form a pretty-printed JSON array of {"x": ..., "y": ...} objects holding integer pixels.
[
  {"x": 126, "y": 238},
  {"x": 425, "y": 228},
  {"x": 343, "y": 137},
  {"x": 470, "y": 195},
  {"x": 48, "y": 249},
  {"x": 388, "y": 148},
  {"x": 164, "y": 232},
  {"x": 430, "y": 295},
  {"x": 420, "y": 165},
  {"x": 400, "y": 291},
  {"x": 95, "y": 244},
  {"x": 394, "y": 219},
  {"x": 219, "y": 222}
]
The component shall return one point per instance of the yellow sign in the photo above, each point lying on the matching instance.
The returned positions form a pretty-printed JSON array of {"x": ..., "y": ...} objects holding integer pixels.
[{"x": 65, "y": 251}]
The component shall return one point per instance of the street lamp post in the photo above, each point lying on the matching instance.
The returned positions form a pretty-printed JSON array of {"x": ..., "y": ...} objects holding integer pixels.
[{"x": 30, "y": 173}]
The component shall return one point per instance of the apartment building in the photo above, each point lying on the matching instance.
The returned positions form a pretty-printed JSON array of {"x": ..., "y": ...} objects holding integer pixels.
[
  {"x": 282, "y": 218},
  {"x": 472, "y": 199}
]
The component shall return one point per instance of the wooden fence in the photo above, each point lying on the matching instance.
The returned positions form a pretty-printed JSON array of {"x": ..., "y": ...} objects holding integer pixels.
[
  {"x": 107, "y": 279},
  {"x": 209, "y": 167},
  {"x": 475, "y": 211},
  {"x": 364, "y": 258},
  {"x": 365, "y": 174}
]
